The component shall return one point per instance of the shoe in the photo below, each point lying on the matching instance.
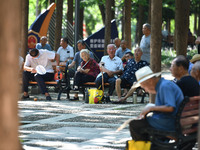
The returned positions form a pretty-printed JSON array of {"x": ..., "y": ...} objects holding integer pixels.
[
  {"x": 107, "y": 99},
  {"x": 48, "y": 98},
  {"x": 25, "y": 97},
  {"x": 74, "y": 99}
]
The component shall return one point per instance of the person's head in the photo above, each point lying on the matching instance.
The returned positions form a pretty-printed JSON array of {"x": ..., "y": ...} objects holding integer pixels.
[
  {"x": 111, "y": 48},
  {"x": 64, "y": 42},
  {"x": 147, "y": 79},
  {"x": 179, "y": 66},
  {"x": 85, "y": 54},
  {"x": 117, "y": 42},
  {"x": 123, "y": 44},
  {"x": 195, "y": 72},
  {"x": 146, "y": 29},
  {"x": 43, "y": 40},
  {"x": 81, "y": 45},
  {"x": 138, "y": 54},
  {"x": 34, "y": 52},
  {"x": 128, "y": 56}
]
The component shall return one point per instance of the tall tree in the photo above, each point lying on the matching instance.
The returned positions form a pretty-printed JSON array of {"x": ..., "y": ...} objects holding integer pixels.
[
  {"x": 127, "y": 8},
  {"x": 112, "y": 9},
  {"x": 155, "y": 45},
  {"x": 140, "y": 22},
  {"x": 70, "y": 10},
  {"x": 182, "y": 26},
  {"x": 9, "y": 45},
  {"x": 24, "y": 28},
  {"x": 107, "y": 35},
  {"x": 102, "y": 10},
  {"x": 81, "y": 21},
  {"x": 59, "y": 9}
]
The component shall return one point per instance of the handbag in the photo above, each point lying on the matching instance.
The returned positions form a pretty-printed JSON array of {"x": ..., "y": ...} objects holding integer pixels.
[
  {"x": 95, "y": 96},
  {"x": 138, "y": 145}
]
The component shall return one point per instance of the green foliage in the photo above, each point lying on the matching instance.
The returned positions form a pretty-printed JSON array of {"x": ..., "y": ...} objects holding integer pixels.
[{"x": 167, "y": 56}]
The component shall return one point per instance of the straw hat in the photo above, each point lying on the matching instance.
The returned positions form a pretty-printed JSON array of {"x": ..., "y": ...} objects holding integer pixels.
[
  {"x": 144, "y": 74},
  {"x": 196, "y": 57}
]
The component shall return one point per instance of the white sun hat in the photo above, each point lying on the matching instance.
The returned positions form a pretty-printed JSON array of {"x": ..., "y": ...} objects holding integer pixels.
[
  {"x": 40, "y": 69},
  {"x": 144, "y": 74}
]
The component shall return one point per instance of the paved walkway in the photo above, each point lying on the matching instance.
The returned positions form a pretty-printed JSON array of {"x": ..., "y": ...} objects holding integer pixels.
[{"x": 67, "y": 125}]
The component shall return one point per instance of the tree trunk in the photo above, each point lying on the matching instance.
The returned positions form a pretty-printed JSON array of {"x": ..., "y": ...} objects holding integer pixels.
[
  {"x": 70, "y": 10},
  {"x": 123, "y": 22},
  {"x": 59, "y": 9},
  {"x": 10, "y": 26},
  {"x": 24, "y": 28},
  {"x": 38, "y": 7},
  {"x": 140, "y": 23},
  {"x": 155, "y": 45},
  {"x": 112, "y": 9},
  {"x": 102, "y": 10},
  {"x": 81, "y": 22},
  {"x": 149, "y": 14},
  {"x": 182, "y": 26},
  {"x": 107, "y": 36},
  {"x": 127, "y": 8}
]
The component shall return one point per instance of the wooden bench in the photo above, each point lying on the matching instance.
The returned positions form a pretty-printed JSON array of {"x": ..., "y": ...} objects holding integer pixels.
[
  {"x": 186, "y": 127},
  {"x": 85, "y": 86},
  {"x": 60, "y": 84}
]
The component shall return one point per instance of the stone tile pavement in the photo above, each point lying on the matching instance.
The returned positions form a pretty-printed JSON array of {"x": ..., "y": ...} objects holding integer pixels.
[{"x": 67, "y": 125}]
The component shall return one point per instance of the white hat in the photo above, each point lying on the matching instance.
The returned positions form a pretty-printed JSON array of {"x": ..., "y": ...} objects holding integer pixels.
[{"x": 144, "y": 74}]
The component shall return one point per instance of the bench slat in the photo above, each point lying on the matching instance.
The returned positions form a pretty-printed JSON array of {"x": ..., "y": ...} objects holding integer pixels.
[
  {"x": 47, "y": 82},
  {"x": 190, "y": 130},
  {"x": 190, "y": 113},
  {"x": 189, "y": 120}
]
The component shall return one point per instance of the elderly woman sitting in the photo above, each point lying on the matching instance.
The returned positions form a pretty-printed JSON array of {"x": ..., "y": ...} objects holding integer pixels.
[{"x": 87, "y": 72}]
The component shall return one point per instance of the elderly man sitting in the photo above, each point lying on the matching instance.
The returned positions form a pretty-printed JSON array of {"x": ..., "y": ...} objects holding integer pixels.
[
  {"x": 168, "y": 99},
  {"x": 111, "y": 66},
  {"x": 128, "y": 76}
]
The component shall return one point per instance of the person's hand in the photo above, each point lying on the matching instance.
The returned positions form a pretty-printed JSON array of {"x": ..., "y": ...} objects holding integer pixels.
[
  {"x": 33, "y": 70},
  {"x": 62, "y": 63},
  {"x": 110, "y": 73},
  {"x": 145, "y": 111},
  {"x": 79, "y": 69},
  {"x": 57, "y": 68}
]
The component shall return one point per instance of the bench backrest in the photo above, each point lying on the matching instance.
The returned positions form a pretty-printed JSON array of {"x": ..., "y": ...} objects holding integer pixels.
[{"x": 188, "y": 116}]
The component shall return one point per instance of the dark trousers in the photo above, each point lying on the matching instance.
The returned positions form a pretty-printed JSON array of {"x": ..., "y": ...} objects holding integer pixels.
[
  {"x": 136, "y": 127},
  {"x": 107, "y": 79},
  {"x": 40, "y": 79},
  {"x": 198, "y": 48},
  {"x": 81, "y": 78}
]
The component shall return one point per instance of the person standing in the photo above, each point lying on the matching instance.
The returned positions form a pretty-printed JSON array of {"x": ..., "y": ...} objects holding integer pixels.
[
  {"x": 120, "y": 52},
  {"x": 145, "y": 42},
  {"x": 43, "y": 44},
  {"x": 65, "y": 51}
]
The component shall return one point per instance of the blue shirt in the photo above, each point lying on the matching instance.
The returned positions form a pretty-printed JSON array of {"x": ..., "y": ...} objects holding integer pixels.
[
  {"x": 120, "y": 53},
  {"x": 131, "y": 67},
  {"x": 47, "y": 46},
  {"x": 168, "y": 94}
]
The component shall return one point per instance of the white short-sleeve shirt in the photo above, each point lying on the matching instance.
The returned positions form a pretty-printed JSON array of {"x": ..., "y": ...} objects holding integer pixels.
[
  {"x": 44, "y": 59},
  {"x": 112, "y": 64},
  {"x": 65, "y": 53}
]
